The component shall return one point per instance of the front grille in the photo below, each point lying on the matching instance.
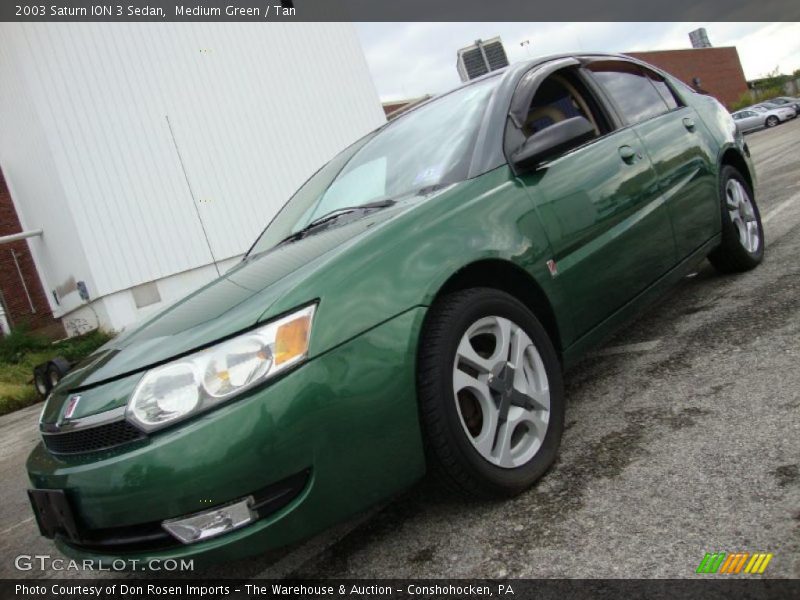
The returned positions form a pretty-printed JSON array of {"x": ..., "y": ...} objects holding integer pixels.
[{"x": 92, "y": 439}]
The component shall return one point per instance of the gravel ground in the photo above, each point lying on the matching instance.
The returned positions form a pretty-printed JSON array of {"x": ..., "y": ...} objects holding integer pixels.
[{"x": 683, "y": 437}]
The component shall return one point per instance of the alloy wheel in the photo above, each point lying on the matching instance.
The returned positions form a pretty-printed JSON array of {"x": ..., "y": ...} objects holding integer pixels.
[
  {"x": 40, "y": 383},
  {"x": 742, "y": 214},
  {"x": 772, "y": 121},
  {"x": 501, "y": 391}
]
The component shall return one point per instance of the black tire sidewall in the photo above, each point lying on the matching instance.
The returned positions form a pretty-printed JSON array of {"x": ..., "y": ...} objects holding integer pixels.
[{"x": 501, "y": 480}]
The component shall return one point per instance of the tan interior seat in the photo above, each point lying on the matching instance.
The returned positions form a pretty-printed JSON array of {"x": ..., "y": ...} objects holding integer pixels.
[
  {"x": 555, "y": 114},
  {"x": 542, "y": 112}
]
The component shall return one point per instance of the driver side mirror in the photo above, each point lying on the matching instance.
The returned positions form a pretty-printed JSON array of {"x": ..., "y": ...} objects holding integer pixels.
[{"x": 552, "y": 142}]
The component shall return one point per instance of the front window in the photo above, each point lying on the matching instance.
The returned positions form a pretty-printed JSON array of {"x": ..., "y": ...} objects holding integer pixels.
[
  {"x": 560, "y": 97},
  {"x": 429, "y": 147}
]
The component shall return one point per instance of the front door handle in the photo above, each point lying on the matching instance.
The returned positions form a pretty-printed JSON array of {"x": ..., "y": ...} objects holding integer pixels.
[
  {"x": 688, "y": 123},
  {"x": 627, "y": 153}
]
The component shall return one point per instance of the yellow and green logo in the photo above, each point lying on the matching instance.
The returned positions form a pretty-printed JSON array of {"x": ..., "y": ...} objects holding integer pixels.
[{"x": 735, "y": 563}]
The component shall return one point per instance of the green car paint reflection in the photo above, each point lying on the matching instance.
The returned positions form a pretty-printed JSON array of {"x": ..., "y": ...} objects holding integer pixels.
[{"x": 583, "y": 239}]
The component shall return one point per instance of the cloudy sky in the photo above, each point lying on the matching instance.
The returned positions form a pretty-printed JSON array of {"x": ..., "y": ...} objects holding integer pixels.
[{"x": 412, "y": 59}]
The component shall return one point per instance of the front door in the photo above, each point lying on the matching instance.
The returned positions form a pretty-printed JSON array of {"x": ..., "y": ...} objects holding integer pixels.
[{"x": 599, "y": 204}]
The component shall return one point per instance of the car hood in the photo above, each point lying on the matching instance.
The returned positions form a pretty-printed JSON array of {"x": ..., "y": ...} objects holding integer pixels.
[{"x": 234, "y": 302}]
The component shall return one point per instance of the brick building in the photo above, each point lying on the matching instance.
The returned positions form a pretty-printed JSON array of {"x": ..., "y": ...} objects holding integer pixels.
[
  {"x": 718, "y": 70},
  {"x": 22, "y": 298},
  {"x": 395, "y": 108}
]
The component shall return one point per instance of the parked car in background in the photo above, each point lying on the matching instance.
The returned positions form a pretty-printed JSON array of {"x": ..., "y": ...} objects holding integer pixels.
[
  {"x": 774, "y": 114},
  {"x": 749, "y": 120},
  {"x": 772, "y": 104},
  {"x": 412, "y": 307},
  {"x": 786, "y": 101}
]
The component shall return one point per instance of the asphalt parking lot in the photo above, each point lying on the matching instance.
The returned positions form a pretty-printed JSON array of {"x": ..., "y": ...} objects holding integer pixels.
[{"x": 683, "y": 437}]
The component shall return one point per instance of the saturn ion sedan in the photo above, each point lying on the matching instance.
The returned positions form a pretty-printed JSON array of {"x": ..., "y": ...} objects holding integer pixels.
[{"x": 410, "y": 309}]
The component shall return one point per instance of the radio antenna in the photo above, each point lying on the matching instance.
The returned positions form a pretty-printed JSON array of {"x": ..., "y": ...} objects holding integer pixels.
[{"x": 191, "y": 193}]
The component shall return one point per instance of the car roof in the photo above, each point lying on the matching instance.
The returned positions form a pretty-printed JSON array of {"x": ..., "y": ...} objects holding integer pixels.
[{"x": 508, "y": 73}]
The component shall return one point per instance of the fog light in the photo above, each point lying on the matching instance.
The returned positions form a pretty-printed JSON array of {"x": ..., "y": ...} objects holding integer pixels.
[{"x": 211, "y": 523}]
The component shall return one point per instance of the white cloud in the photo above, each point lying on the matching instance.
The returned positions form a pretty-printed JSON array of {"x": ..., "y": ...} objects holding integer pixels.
[{"x": 411, "y": 59}]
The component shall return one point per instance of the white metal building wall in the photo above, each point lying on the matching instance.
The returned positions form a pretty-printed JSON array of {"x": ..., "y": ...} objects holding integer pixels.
[{"x": 87, "y": 150}]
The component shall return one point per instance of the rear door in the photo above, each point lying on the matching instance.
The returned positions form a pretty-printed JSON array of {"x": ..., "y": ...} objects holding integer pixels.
[
  {"x": 679, "y": 147},
  {"x": 610, "y": 237}
]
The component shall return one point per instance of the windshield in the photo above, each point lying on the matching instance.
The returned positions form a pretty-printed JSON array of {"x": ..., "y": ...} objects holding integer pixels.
[{"x": 430, "y": 146}]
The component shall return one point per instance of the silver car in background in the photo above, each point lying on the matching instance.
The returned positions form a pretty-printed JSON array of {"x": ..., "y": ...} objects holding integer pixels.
[
  {"x": 787, "y": 101},
  {"x": 756, "y": 117},
  {"x": 770, "y": 110},
  {"x": 748, "y": 120}
]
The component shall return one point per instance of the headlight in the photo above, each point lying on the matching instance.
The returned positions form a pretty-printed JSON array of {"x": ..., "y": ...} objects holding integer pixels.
[{"x": 197, "y": 382}]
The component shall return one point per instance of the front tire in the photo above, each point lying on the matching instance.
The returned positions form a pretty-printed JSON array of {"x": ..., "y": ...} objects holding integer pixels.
[
  {"x": 491, "y": 394},
  {"x": 742, "y": 246},
  {"x": 771, "y": 121}
]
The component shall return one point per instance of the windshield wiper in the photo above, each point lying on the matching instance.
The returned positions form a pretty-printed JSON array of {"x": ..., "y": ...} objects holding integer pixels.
[{"x": 333, "y": 215}]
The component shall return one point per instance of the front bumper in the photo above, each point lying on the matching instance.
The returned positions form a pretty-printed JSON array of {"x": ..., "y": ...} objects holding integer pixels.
[{"x": 347, "y": 417}]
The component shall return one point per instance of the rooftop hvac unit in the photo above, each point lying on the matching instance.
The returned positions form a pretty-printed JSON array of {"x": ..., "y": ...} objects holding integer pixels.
[
  {"x": 699, "y": 38},
  {"x": 481, "y": 58}
]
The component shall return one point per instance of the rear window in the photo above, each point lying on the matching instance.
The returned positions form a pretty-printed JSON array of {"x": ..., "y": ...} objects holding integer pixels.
[
  {"x": 631, "y": 90},
  {"x": 663, "y": 89}
]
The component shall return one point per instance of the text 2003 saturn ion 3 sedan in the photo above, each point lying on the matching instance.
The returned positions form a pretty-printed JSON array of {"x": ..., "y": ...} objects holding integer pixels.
[{"x": 412, "y": 306}]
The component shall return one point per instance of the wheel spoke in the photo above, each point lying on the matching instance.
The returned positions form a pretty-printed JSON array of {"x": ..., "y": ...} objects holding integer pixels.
[
  {"x": 731, "y": 200},
  {"x": 467, "y": 354},
  {"x": 519, "y": 343},
  {"x": 463, "y": 380},
  {"x": 504, "y": 451},
  {"x": 502, "y": 448},
  {"x": 536, "y": 388},
  {"x": 503, "y": 338},
  {"x": 485, "y": 441},
  {"x": 752, "y": 236},
  {"x": 737, "y": 191},
  {"x": 741, "y": 229},
  {"x": 540, "y": 400},
  {"x": 535, "y": 420}
]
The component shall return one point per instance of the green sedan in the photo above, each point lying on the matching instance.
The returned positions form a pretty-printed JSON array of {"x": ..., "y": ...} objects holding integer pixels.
[{"x": 411, "y": 309}]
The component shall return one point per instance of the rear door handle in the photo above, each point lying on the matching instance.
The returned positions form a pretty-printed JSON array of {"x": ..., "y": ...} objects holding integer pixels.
[
  {"x": 688, "y": 123},
  {"x": 628, "y": 154}
]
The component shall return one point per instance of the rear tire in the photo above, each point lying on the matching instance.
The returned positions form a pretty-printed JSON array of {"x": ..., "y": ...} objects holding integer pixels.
[
  {"x": 40, "y": 380},
  {"x": 56, "y": 369},
  {"x": 491, "y": 394},
  {"x": 742, "y": 246}
]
